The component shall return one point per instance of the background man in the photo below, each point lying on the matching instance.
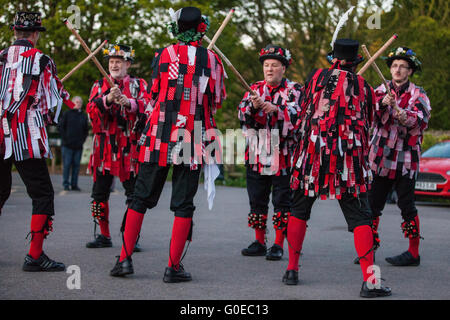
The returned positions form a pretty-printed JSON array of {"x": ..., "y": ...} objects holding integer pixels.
[{"x": 74, "y": 130}]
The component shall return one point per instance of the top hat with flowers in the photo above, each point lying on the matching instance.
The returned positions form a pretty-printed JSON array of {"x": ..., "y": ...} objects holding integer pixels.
[
  {"x": 27, "y": 21},
  {"x": 345, "y": 51},
  {"x": 406, "y": 54},
  {"x": 275, "y": 52},
  {"x": 119, "y": 51},
  {"x": 188, "y": 24}
]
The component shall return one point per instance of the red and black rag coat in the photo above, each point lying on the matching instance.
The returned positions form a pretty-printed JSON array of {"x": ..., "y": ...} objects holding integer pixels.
[
  {"x": 116, "y": 129},
  {"x": 187, "y": 89},
  {"x": 331, "y": 157},
  {"x": 262, "y": 154},
  {"x": 31, "y": 96}
]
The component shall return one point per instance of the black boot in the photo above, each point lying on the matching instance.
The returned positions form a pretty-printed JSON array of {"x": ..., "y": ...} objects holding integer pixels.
[
  {"x": 122, "y": 268},
  {"x": 290, "y": 277},
  {"x": 404, "y": 259},
  {"x": 171, "y": 275},
  {"x": 255, "y": 249},
  {"x": 374, "y": 293},
  {"x": 274, "y": 253},
  {"x": 100, "y": 242},
  {"x": 43, "y": 263}
]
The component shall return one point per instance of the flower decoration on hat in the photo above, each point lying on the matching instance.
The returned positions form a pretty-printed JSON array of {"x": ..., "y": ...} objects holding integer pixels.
[
  {"x": 187, "y": 24},
  {"x": 119, "y": 51},
  {"x": 406, "y": 54},
  {"x": 275, "y": 52}
]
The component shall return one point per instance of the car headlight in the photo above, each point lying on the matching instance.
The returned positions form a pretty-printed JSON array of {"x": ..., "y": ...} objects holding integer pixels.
[{"x": 448, "y": 172}]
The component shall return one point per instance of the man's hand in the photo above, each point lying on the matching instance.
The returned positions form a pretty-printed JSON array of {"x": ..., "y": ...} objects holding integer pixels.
[
  {"x": 388, "y": 100},
  {"x": 401, "y": 115},
  {"x": 268, "y": 107},
  {"x": 257, "y": 101},
  {"x": 113, "y": 95},
  {"x": 123, "y": 101}
]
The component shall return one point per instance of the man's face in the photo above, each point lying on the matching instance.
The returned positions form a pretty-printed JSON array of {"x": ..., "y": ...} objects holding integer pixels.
[
  {"x": 273, "y": 71},
  {"x": 118, "y": 68},
  {"x": 78, "y": 103},
  {"x": 400, "y": 71}
]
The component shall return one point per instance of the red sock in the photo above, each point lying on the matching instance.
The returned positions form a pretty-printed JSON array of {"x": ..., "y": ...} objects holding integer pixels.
[
  {"x": 295, "y": 236},
  {"x": 180, "y": 232},
  {"x": 37, "y": 238},
  {"x": 260, "y": 235},
  {"x": 363, "y": 238},
  {"x": 279, "y": 237},
  {"x": 104, "y": 224},
  {"x": 133, "y": 225},
  {"x": 414, "y": 242}
]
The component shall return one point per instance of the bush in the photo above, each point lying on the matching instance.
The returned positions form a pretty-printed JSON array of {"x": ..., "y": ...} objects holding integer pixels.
[{"x": 431, "y": 137}]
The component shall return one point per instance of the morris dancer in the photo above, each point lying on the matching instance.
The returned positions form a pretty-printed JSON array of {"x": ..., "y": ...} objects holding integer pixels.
[
  {"x": 187, "y": 89},
  {"x": 31, "y": 96},
  {"x": 115, "y": 114},
  {"x": 276, "y": 108},
  {"x": 395, "y": 147},
  {"x": 331, "y": 158}
]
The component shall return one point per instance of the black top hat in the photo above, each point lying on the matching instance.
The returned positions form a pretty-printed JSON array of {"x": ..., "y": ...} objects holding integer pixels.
[
  {"x": 190, "y": 18},
  {"x": 28, "y": 21},
  {"x": 346, "y": 49},
  {"x": 275, "y": 52}
]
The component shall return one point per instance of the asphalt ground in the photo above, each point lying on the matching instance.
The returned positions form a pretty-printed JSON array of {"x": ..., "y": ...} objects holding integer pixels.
[{"x": 214, "y": 257}]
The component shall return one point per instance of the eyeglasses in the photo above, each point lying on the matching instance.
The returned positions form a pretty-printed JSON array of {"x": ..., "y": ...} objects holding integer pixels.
[{"x": 401, "y": 67}]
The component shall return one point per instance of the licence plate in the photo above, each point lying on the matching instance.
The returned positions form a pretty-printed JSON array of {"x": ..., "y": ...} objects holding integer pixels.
[{"x": 426, "y": 185}]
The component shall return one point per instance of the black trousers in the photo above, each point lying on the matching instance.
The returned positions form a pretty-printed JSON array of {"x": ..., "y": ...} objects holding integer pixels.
[
  {"x": 150, "y": 183},
  {"x": 35, "y": 176},
  {"x": 403, "y": 185},
  {"x": 259, "y": 188},
  {"x": 101, "y": 189},
  {"x": 356, "y": 210}
]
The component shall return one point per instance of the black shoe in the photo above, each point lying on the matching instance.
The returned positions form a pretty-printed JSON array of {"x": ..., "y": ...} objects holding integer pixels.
[
  {"x": 100, "y": 242},
  {"x": 122, "y": 268},
  {"x": 43, "y": 263},
  {"x": 171, "y": 275},
  {"x": 76, "y": 188},
  {"x": 404, "y": 259},
  {"x": 137, "y": 247},
  {"x": 374, "y": 293},
  {"x": 66, "y": 188},
  {"x": 290, "y": 277},
  {"x": 255, "y": 249},
  {"x": 274, "y": 253}
]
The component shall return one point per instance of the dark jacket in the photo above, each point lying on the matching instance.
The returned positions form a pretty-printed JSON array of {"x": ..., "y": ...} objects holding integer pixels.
[{"x": 73, "y": 128}]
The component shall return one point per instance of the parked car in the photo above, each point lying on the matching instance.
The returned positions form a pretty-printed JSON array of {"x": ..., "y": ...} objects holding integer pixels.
[{"x": 434, "y": 172}]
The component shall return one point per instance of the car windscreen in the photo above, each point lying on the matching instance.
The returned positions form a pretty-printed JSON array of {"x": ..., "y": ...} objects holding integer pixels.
[{"x": 440, "y": 150}]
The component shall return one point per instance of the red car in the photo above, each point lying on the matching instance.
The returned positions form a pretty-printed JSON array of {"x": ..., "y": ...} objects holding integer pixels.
[{"x": 434, "y": 172}]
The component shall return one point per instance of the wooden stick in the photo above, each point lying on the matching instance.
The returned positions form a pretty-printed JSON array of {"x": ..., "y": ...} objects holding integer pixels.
[
  {"x": 380, "y": 74},
  {"x": 222, "y": 26},
  {"x": 377, "y": 54},
  {"x": 88, "y": 51},
  {"x": 78, "y": 66},
  {"x": 230, "y": 65}
]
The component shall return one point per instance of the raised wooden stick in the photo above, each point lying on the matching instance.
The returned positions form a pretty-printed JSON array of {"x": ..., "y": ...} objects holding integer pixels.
[
  {"x": 230, "y": 65},
  {"x": 377, "y": 54},
  {"x": 380, "y": 74},
  {"x": 219, "y": 31},
  {"x": 88, "y": 51},
  {"x": 89, "y": 57}
]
